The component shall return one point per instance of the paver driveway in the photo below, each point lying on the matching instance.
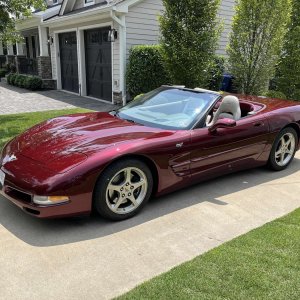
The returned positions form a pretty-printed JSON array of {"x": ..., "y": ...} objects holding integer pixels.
[
  {"x": 93, "y": 259},
  {"x": 14, "y": 100}
]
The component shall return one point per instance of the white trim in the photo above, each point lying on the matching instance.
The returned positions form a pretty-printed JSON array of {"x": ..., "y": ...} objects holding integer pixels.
[
  {"x": 122, "y": 53},
  {"x": 82, "y": 62},
  {"x": 57, "y": 54},
  {"x": 69, "y": 92}
]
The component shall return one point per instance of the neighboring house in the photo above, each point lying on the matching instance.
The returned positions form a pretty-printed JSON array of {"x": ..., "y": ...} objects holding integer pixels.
[{"x": 82, "y": 46}]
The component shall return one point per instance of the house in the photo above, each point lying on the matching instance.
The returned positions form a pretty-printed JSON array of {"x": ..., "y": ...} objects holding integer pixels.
[{"x": 81, "y": 46}]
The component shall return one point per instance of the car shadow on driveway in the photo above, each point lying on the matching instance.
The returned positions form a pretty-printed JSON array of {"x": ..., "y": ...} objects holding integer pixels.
[{"x": 45, "y": 233}]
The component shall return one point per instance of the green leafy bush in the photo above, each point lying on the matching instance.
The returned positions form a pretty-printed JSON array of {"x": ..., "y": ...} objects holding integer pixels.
[
  {"x": 33, "y": 83},
  {"x": 9, "y": 78},
  {"x": 217, "y": 72},
  {"x": 145, "y": 70},
  {"x": 2, "y": 73},
  {"x": 13, "y": 78},
  {"x": 20, "y": 80},
  {"x": 275, "y": 94}
]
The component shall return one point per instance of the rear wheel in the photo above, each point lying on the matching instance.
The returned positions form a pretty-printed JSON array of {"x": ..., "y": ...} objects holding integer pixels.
[
  {"x": 123, "y": 189},
  {"x": 284, "y": 149}
]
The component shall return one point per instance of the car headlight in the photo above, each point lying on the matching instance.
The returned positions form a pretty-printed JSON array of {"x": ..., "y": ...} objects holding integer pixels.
[{"x": 50, "y": 200}]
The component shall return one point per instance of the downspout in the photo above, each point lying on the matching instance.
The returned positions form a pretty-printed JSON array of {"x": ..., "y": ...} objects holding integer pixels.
[{"x": 122, "y": 44}]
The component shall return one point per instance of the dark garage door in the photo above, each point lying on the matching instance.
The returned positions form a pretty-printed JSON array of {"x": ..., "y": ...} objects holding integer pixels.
[
  {"x": 69, "y": 61},
  {"x": 98, "y": 63}
]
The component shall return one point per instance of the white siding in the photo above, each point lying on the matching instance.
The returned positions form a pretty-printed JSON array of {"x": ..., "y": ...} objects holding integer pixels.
[
  {"x": 143, "y": 26},
  {"x": 142, "y": 23},
  {"x": 226, "y": 14}
]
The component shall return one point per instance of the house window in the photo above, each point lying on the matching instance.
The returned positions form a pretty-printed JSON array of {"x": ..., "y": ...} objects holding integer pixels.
[{"x": 55, "y": 1}]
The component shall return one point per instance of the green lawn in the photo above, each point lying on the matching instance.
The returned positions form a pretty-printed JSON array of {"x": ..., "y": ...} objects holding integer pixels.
[
  {"x": 12, "y": 125},
  {"x": 263, "y": 264}
]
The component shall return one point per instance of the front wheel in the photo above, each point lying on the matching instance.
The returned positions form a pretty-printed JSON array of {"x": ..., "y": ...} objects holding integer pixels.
[
  {"x": 123, "y": 189},
  {"x": 284, "y": 149}
]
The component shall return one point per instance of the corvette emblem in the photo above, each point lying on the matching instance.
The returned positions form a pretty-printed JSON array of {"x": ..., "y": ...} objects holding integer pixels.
[
  {"x": 9, "y": 159},
  {"x": 12, "y": 158}
]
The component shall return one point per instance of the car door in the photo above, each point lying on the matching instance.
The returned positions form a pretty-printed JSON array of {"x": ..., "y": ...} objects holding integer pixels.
[{"x": 228, "y": 149}]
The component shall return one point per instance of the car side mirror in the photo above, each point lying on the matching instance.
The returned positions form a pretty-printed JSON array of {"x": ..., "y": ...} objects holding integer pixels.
[{"x": 222, "y": 123}]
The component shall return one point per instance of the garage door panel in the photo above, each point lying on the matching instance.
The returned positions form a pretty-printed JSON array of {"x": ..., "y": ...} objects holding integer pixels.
[
  {"x": 98, "y": 63},
  {"x": 69, "y": 61}
]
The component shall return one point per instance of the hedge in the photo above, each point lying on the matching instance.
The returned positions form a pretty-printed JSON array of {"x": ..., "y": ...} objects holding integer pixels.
[
  {"x": 2, "y": 73},
  {"x": 217, "y": 73},
  {"x": 25, "y": 81},
  {"x": 145, "y": 70}
]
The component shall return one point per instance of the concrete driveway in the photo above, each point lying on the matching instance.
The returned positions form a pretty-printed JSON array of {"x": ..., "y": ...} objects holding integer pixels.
[{"x": 90, "y": 258}]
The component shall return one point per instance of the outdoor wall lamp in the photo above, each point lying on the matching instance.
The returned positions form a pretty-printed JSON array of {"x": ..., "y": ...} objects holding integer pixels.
[
  {"x": 50, "y": 40},
  {"x": 112, "y": 35}
]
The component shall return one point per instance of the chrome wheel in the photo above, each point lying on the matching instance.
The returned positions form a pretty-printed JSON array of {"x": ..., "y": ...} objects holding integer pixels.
[
  {"x": 126, "y": 190},
  {"x": 285, "y": 149}
]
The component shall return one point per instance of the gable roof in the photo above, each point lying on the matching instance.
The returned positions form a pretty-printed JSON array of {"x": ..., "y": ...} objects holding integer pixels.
[{"x": 68, "y": 5}]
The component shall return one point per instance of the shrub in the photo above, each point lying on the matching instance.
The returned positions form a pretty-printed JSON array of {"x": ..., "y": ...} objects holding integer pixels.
[
  {"x": 190, "y": 33},
  {"x": 256, "y": 41},
  {"x": 2, "y": 73},
  {"x": 33, "y": 83},
  {"x": 145, "y": 69},
  {"x": 275, "y": 94},
  {"x": 13, "y": 78},
  {"x": 217, "y": 73},
  {"x": 20, "y": 80},
  {"x": 9, "y": 78}
]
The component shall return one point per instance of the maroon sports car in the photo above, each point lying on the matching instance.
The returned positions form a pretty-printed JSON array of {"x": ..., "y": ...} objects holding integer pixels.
[{"x": 165, "y": 140}]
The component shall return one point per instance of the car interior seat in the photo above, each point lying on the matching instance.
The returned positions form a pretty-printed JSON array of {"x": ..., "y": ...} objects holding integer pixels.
[{"x": 229, "y": 108}]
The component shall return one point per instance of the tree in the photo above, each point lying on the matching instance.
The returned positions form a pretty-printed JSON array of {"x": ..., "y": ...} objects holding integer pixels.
[
  {"x": 256, "y": 41},
  {"x": 190, "y": 33},
  {"x": 10, "y": 11},
  {"x": 288, "y": 73}
]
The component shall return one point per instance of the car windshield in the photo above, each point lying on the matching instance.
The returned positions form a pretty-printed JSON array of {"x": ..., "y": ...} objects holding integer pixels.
[{"x": 168, "y": 108}]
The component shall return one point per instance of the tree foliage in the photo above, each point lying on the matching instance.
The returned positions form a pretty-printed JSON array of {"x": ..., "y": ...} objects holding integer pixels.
[
  {"x": 256, "y": 41},
  {"x": 190, "y": 31},
  {"x": 288, "y": 74},
  {"x": 10, "y": 11}
]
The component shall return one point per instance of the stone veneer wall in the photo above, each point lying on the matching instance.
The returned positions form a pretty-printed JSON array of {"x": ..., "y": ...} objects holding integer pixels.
[
  {"x": 45, "y": 72},
  {"x": 44, "y": 67}
]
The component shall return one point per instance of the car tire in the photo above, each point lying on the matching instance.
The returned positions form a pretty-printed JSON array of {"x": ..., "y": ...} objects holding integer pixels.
[
  {"x": 283, "y": 150},
  {"x": 123, "y": 189}
]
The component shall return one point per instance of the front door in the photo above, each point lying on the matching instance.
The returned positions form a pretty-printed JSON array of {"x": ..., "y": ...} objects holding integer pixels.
[
  {"x": 69, "y": 61},
  {"x": 98, "y": 63}
]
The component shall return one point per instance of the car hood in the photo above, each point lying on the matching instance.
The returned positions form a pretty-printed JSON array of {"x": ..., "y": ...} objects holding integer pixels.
[{"x": 65, "y": 142}]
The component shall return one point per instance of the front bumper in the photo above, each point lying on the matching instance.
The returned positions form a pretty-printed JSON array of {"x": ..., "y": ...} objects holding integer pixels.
[
  {"x": 25, "y": 178},
  {"x": 75, "y": 207}
]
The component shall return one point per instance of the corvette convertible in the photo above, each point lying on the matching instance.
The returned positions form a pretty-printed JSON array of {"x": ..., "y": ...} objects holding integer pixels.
[{"x": 172, "y": 137}]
